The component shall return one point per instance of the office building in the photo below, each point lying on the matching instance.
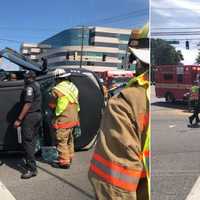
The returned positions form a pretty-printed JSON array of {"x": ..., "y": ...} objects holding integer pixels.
[{"x": 90, "y": 47}]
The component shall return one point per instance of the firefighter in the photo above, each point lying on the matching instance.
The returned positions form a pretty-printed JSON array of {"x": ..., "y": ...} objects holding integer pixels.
[
  {"x": 119, "y": 165},
  {"x": 195, "y": 101},
  {"x": 66, "y": 118},
  {"x": 30, "y": 120}
]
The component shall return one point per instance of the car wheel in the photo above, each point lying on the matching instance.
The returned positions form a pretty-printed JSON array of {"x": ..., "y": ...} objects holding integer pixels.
[{"x": 169, "y": 98}]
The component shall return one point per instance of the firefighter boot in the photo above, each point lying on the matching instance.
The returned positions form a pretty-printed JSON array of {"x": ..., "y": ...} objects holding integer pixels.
[{"x": 57, "y": 165}]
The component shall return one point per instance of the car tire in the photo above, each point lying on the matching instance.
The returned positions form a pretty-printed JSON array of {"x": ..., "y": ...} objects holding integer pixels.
[{"x": 169, "y": 98}]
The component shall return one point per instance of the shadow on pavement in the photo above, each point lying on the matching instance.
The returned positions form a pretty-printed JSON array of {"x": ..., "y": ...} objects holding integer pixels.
[
  {"x": 67, "y": 182},
  {"x": 176, "y": 105},
  {"x": 13, "y": 160}
]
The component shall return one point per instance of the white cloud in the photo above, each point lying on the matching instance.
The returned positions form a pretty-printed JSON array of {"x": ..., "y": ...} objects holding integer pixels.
[
  {"x": 175, "y": 13},
  {"x": 189, "y": 56},
  {"x": 191, "y": 5}
]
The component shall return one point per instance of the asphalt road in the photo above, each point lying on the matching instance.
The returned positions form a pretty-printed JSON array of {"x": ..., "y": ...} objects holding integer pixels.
[
  {"x": 51, "y": 183},
  {"x": 175, "y": 160},
  {"x": 175, "y": 163}
]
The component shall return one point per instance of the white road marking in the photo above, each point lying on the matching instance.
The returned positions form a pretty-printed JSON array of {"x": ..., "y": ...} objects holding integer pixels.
[
  {"x": 172, "y": 126},
  {"x": 5, "y": 194},
  {"x": 195, "y": 192}
]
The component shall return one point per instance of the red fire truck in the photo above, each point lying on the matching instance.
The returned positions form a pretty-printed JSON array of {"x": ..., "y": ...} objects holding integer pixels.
[
  {"x": 113, "y": 77},
  {"x": 173, "y": 82}
]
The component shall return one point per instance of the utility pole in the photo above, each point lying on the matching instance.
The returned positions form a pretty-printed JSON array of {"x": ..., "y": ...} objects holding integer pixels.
[{"x": 82, "y": 37}]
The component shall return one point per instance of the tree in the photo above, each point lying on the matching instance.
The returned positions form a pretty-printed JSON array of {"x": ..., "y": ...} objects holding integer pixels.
[
  {"x": 198, "y": 58},
  {"x": 162, "y": 53}
]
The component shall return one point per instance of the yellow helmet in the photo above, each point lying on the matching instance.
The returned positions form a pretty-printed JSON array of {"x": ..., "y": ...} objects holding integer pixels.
[{"x": 139, "y": 44}]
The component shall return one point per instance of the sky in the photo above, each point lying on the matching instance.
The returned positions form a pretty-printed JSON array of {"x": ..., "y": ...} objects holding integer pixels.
[
  {"x": 34, "y": 21},
  {"x": 176, "y": 16}
]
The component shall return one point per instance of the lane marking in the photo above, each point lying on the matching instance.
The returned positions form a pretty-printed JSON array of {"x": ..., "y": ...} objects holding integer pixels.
[
  {"x": 195, "y": 191},
  {"x": 4, "y": 193}
]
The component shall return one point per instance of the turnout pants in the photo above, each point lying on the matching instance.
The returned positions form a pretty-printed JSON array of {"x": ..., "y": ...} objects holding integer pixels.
[
  {"x": 104, "y": 191},
  {"x": 30, "y": 128},
  {"x": 65, "y": 145},
  {"x": 195, "y": 114}
]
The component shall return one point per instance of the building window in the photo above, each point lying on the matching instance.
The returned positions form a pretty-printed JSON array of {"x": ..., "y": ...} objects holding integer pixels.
[
  {"x": 90, "y": 63},
  {"x": 168, "y": 76},
  {"x": 124, "y": 37},
  {"x": 103, "y": 34},
  {"x": 101, "y": 44},
  {"x": 180, "y": 78},
  {"x": 67, "y": 56}
]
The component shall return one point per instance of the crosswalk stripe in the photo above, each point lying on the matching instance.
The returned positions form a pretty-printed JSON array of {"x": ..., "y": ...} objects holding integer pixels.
[
  {"x": 195, "y": 192},
  {"x": 4, "y": 193}
]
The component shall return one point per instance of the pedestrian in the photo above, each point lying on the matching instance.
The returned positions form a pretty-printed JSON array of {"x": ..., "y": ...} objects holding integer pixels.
[
  {"x": 195, "y": 101},
  {"x": 66, "y": 118},
  {"x": 119, "y": 165},
  {"x": 29, "y": 120}
]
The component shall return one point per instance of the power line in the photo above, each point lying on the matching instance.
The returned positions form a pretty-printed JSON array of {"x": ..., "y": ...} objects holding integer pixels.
[
  {"x": 118, "y": 18},
  {"x": 181, "y": 39},
  {"x": 107, "y": 20},
  {"x": 10, "y": 40},
  {"x": 175, "y": 33},
  {"x": 173, "y": 8},
  {"x": 174, "y": 28}
]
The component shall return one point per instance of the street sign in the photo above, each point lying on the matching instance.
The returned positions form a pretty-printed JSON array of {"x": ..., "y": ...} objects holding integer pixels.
[{"x": 173, "y": 42}]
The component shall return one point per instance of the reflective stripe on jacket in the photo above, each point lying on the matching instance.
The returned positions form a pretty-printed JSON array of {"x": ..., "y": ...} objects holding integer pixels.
[
  {"x": 115, "y": 174},
  {"x": 68, "y": 119},
  {"x": 142, "y": 80},
  {"x": 119, "y": 153}
]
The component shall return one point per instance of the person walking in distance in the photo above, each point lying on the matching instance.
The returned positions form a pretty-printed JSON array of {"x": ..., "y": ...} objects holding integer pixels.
[{"x": 195, "y": 101}]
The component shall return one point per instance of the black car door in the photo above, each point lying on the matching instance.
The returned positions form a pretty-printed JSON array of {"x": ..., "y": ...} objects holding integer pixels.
[{"x": 10, "y": 94}]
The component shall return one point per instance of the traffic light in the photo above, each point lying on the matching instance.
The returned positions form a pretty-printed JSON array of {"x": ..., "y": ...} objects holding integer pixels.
[
  {"x": 187, "y": 45},
  {"x": 104, "y": 57}
]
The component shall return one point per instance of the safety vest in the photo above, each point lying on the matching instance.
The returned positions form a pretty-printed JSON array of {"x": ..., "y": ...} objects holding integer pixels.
[
  {"x": 142, "y": 80},
  {"x": 70, "y": 92},
  {"x": 194, "y": 93}
]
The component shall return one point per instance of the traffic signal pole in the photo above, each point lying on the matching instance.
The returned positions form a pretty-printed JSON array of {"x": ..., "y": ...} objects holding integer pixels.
[{"x": 82, "y": 37}]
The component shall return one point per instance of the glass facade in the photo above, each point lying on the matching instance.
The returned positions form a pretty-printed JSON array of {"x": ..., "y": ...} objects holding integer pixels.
[
  {"x": 85, "y": 53},
  {"x": 70, "y": 37},
  {"x": 123, "y": 46},
  {"x": 124, "y": 37},
  {"x": 87, "y": 63},
  {"x": 102, "y": 46}
]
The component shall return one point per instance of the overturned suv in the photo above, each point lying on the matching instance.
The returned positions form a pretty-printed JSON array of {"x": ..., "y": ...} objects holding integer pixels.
[{"x": 91, "y": 101}]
